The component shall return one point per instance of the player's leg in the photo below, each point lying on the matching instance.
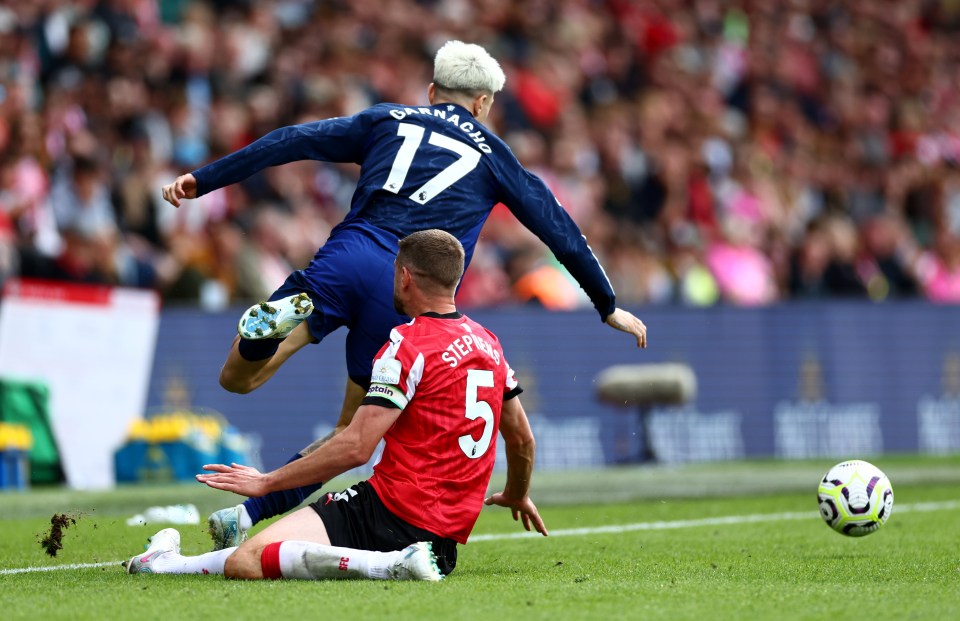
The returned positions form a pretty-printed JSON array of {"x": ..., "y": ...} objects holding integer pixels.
[
  {"x": 302, "y": 525},
  {"x": 228, "y": 527},
  {"x": 162, "y": 556},
  {"x": 295, "y": 547},
  {"x": 298, "y": 547},
  {"x": 304, "y": 560},
  {"x": 248, "y": 367},
  {"x": 333, "y": 284}
]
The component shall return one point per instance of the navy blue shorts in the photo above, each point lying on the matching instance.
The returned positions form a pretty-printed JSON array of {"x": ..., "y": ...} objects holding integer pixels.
[{"x": 350, "y": 281}]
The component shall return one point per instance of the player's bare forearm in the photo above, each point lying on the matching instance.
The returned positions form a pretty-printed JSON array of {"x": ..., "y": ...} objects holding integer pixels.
[
  {"x": 519, "y": 469},
  {"x": 625, "y": 321},
  {"x": 318, "y": 466},
  {"x": 348, "y": 449},
  {"x": 515, "y": 495},
  {"x": 520, "y": 449},
  {"x": 313, "y": 468}
]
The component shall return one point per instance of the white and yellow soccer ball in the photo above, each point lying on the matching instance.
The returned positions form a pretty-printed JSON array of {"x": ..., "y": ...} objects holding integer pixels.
[{"x": 855, "y": 497}]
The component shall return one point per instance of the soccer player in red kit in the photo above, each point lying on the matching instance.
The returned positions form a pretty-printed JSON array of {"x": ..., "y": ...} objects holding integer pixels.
[{"x": 440, "y": 390}]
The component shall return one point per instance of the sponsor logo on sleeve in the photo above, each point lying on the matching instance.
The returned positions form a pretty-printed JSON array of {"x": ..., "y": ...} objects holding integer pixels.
[
  {"x": 381, "y": 390},
  {"x": 392, "y": 393},
  {"x": 386, "y": 371}
]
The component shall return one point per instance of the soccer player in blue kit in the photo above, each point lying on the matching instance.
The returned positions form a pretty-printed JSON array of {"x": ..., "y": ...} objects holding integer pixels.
[{"x": 424, "y": 167}]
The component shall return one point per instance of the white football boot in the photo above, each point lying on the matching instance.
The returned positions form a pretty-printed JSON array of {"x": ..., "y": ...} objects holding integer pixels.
[
  {"x": 276, "y": 319},
  {"x": 164, "y": 542},
  {"x": 417, "y": 562}
]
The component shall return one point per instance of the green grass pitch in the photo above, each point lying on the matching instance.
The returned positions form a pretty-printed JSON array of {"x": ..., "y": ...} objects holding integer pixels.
[{"x": 712, "y": 541}]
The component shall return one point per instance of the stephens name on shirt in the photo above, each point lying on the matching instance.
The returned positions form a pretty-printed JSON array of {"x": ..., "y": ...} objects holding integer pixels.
[{"x": 464, "y": 346}]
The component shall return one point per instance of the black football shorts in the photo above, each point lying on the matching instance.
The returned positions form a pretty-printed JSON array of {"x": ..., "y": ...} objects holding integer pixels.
[{"x": 357, "y": 518}]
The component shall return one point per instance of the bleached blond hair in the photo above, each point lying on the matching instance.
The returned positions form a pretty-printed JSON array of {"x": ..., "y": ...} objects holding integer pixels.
[{"x": 460, "y": 66}]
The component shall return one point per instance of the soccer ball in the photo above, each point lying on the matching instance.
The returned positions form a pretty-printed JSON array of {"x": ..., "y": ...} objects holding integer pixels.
[{"x": 855, "y": 498}]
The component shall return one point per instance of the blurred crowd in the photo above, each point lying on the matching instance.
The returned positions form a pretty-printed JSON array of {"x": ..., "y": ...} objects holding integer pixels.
[{"x": 737, "y": 151}]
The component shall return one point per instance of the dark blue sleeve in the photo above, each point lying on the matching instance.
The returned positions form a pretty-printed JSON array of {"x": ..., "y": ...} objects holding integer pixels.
[
  {"x": 535, "y": 206},
  {"x": 332, "y": 140}
]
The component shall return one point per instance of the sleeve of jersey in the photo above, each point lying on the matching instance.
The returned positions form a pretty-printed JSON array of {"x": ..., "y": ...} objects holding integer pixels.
[
  {"x": 511, "y": 387},
  {"x": 396, "y": 372},
  {"x": 535, "y": 206},
  {"x": 331, "y": 140}
]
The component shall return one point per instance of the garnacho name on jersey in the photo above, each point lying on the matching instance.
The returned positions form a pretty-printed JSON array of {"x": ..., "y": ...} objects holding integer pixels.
[{"x": 466, "y": 126}]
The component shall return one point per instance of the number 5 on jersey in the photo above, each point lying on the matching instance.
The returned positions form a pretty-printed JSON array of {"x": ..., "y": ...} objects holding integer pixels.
[
  {"x": 474, "y": 449},
  {"x": 412, "y": 137}
]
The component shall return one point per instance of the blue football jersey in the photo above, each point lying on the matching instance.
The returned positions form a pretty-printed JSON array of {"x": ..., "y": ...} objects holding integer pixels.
[{"x": 431, "y": 167}]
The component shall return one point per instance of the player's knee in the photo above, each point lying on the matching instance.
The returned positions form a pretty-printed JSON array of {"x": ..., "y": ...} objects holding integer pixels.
[{"x": 243, "y": 564}]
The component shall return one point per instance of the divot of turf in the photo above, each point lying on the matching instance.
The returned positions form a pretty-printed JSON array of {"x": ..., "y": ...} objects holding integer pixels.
[{"x": 53, "y": 540}]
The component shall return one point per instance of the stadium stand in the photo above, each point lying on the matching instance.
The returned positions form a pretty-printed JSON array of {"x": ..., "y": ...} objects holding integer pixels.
[{"x": 739, "y": 152}]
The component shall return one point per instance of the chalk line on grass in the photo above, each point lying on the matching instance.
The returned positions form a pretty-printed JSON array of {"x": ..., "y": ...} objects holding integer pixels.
[
  {"x": 39, "y": 568},
  {"x": 726, "y": 520}
]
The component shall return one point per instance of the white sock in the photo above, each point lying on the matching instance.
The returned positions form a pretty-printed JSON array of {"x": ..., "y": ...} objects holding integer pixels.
[
  {"x": 245, "y": 522},
  {"x": 209, "y": 563},
  {"x": 312, "y": 561}
]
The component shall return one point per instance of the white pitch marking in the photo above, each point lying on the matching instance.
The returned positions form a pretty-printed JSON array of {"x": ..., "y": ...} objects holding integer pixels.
[
  {"x": 725, "y": 520},
  {"x": 714, "y": 521},
  {"x": 30, "y": 570}
]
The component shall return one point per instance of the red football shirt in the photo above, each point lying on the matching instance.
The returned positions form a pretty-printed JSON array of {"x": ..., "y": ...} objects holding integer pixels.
[{"x": 449, "y": 376}]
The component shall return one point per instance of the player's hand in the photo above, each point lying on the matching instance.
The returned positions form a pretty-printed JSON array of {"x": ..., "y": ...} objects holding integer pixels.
[
  {"x": 185, "y": 186},
  {"x": 236, "y": 478},
  {"x": 625, "y": 321},
  {"x": 523, "y": 507}
]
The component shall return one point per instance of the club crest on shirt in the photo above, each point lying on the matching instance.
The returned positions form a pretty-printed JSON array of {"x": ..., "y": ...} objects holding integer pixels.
[{"x": 386, "y": 371}]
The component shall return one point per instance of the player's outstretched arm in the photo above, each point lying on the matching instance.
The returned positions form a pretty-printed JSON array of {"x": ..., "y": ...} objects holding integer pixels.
[
  {"x": 625, "y": 321},
  {"x": 348, "y": 449},
  {"x": 520, "y": 448},
  {"x": 184, "y": 186}
]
